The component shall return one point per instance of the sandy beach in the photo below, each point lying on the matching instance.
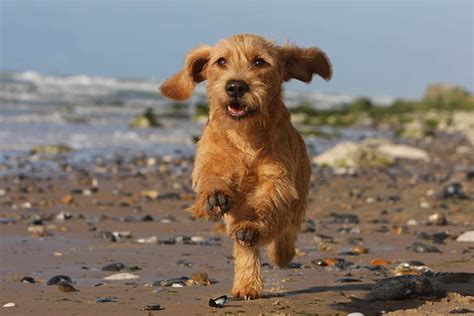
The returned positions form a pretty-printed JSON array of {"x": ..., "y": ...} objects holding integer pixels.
[{"x": 132, "y": 211}]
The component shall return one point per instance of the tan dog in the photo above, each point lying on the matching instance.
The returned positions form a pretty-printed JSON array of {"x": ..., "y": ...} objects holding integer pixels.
[{"x": 251, "y": 164}]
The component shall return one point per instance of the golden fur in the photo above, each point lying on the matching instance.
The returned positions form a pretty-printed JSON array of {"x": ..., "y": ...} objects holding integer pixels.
[{"x": 253, "y": 171}]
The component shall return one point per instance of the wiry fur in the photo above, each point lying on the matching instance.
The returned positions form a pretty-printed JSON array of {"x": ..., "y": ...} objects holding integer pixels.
[{"x": 259, "y": 162}]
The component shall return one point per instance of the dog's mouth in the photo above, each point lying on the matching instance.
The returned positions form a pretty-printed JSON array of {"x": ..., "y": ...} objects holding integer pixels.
[{"x": 237, "y": 109}]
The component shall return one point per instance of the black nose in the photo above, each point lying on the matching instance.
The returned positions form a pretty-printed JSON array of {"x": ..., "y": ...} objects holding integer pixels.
[{"x": 236, "y": 88}]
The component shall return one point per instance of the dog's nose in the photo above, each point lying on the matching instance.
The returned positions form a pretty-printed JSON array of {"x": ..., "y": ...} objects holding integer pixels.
[{"x": 236, "y": 88}]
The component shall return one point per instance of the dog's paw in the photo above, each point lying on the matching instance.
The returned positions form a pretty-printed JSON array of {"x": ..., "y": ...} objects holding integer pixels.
[
  {"x": 212, "y": 206},
  {"x": 246, "y": 293},
  {"x": 246, "y": 235}
]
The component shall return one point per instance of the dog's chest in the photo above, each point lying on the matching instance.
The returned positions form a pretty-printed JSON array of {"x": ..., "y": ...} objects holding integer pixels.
[{"x": 249, "y": 153}]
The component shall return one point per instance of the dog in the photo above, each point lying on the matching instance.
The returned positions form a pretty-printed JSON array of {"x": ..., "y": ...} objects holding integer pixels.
[{"x": 251, "y": 166}]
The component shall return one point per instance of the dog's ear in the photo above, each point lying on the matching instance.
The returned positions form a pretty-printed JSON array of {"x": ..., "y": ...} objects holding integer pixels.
[
  {"x": 302, "y": 63},
  {"x": 181, "y": 85}
]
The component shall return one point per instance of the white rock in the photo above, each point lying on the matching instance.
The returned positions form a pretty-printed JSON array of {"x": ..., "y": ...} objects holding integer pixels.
[
  {"x": 350, "y": 155},
  {"x": 356, "y": 314},
  {"x": 122, "y": 276},
  {"x": 149, "y": 240},
  {"x": 466, "y": 237},
  {"x": 403, "y": 152},
  {"x": 11, "y": 304}
]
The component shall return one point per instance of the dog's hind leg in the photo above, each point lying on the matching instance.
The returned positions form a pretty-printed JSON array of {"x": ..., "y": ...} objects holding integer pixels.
[
  {"x": 282, "y": 249},
  {"x": 248, "y": 282}
]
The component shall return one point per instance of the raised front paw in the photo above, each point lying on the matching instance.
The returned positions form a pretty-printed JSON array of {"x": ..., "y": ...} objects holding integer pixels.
[
  {"x": 212, "y": 206},
  {"x": 246, "y": 235}
]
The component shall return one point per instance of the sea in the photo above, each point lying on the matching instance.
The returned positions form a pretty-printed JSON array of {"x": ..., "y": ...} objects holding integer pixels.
[{"x": 91, "y": 115}]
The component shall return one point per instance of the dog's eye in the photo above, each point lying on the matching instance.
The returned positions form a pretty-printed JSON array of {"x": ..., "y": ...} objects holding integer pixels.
[
  {"x": 259, "y": 62},
  {"x": 221, "y": 62}
]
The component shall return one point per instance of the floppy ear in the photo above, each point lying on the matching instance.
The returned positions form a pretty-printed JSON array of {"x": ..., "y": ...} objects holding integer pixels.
[
  {"x": 302, "y": 63},
  {"x": 181, "y": 85}
]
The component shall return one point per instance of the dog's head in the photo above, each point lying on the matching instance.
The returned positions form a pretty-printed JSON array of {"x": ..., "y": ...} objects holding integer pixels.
[{"x": 245, "y": 73}]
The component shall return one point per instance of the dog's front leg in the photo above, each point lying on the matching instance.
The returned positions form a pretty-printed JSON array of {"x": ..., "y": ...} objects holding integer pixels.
[
  {"x": 269, "y": 205},
  {"x": 212, "y": 182},
  {"x": 248, "y": 282}
]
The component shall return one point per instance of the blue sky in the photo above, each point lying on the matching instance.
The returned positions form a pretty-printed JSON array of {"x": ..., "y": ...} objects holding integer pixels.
[{"x": 379, "y": 47}]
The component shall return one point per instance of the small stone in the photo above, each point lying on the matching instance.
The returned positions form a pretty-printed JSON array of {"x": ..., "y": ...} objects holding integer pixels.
[
  {"x": 461, "y": 310},
  {"x": 380, "y": 262},
  {"x": 308, "y": 226},
  {"x": 356, "y": 314},
  {"x": 151, "y": 307},
  {"x": 466, "y": 237},
  {"x": 105, "y": 300},
  {"x": 319, "y": 263},
  {"x": 454, "y": 191},
  {"x": 412, "y": 222},
  {"x": 27, "y": 279},
  {"x": 421, "y": 247},
  {"x": 360, "y": 249},
  {"x": 218, "y": 302},
  {"x": 115, "y": 266},
  {"x": 147, "y": 218},
  {"x": 67, "y": 199},
  {"x": 200, "y": 278},
  {"x": 344, "y": 218},
  {"x": 170, "y": 282},
  {"x": 122, "y": 276},
  {"x": 58, "y": 279},
  {"x": 412, "y": 268},
  {"x": 347, "y": 280},
  {"x": 437, "y": 219},
  {"x": 184, "y": 263},
  {"x": 11, "y": 304},
  {"x": 149, "y": 240},
  {"x": 66, "y": 287}
]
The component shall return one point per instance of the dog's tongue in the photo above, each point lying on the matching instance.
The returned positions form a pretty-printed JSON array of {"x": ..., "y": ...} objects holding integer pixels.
[{"x": 237, "y": 108}]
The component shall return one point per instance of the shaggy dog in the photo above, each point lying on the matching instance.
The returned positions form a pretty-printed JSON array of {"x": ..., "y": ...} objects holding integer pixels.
[{"x": 251, "y": 164}]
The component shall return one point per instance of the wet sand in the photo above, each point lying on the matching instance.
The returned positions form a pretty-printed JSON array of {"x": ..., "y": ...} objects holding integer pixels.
[{"x": 118, "y": 195}]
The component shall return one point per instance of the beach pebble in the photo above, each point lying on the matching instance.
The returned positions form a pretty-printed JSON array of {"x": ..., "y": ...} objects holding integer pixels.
[
  {"x": 199, "y": 278},
  {"x": 182, "y": 280},
  {"x": 105, "y": 300},
  {"x": 412, "y": 268},
  {"x": 184, "y": 263},
  {"x": 115, "y": 266},
  {"x": 461, "y": 310},
  {"x": 421, "y": 247},
  {"x": 344, "y": 218},
  {"x": 11, "y": 304},
  {"x": 356, "y": 314},
  {"x": 380, "y": 262},
  {"x": 67, "y": 199},
  {"x": 437, "y": 219},
  {"x": 122, "y": 276},
  {"x": 58, "y": 279},
  {"x": 454, "y": 191},
  {"x": 151, "y": 307},
  {"x": 66, "y": 287},
  {"x": 308, "y": 226},
  {"x": 360, "y": 249},
  {"x": 218, "y": 302},
  {"x": 27, "y": 279},
  {"x": 148, "y": 240},
  {"x": 319, "y": 263},
  {"x": 466, "y": 237},
  {"x": 147, "y": 218},
  {"x": 347, "y": 280}
]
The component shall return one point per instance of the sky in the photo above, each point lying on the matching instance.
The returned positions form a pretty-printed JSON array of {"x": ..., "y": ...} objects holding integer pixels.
[{"x": 393, "y": 48}]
